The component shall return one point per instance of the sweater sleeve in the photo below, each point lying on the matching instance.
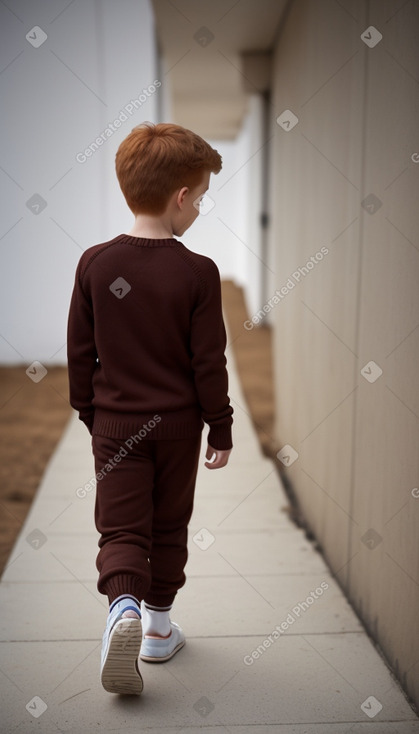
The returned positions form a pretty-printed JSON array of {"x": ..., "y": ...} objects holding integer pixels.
[
  {"x": 208, "y": 343},
  {"x": 81, "y": 353}
]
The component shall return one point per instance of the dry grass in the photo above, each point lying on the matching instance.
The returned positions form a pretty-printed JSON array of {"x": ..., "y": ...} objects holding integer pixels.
[
  {"x": 32, "y": 419},
  {"x": 253, "y": 353}
]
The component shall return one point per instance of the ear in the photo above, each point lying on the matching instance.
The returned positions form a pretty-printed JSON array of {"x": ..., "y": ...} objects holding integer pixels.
[{"x": 182, "y": 194}]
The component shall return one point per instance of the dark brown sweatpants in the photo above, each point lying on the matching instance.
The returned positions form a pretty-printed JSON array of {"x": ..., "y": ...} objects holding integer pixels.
[{"x": 144, "y": 502}]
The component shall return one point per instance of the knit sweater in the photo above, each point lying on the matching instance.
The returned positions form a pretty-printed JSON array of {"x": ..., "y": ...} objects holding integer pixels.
[{"x": 146, "y": 342}]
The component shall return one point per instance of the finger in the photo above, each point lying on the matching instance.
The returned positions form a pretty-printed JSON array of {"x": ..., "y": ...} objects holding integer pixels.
[
  {"x": 211, "y": 455},
  {"x": 219, "y": 462},
  {"x": 212, "y": 466},
  {"x": 213, "y": 463}
]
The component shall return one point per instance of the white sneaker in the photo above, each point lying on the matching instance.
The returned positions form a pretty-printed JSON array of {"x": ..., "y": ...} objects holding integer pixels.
[
  {"x": 121, "y": 644},
  {"x": 156, "y": 649}
]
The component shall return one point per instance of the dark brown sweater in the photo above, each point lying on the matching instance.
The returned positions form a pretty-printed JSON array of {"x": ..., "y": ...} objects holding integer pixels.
[{"x": 146, "y": 338}]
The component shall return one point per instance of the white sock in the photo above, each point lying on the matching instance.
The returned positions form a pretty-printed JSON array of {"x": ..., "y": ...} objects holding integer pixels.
[{"x": 156, "y": 621}]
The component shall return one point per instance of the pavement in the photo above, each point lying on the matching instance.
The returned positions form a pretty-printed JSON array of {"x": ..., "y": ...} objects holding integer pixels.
[{"x": 272, "y": 643}]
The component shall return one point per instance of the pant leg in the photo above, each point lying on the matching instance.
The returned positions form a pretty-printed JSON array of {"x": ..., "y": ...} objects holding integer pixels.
[
  {"x": 176, "y": 465},
  {"x": 123, "y": 516}
]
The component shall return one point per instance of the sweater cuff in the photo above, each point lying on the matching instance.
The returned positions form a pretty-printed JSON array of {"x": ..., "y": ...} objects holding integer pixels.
[{"x": 220, "y": 438}]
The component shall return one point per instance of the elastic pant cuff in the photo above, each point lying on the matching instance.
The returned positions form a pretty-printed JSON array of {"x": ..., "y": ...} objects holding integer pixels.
[
  {"x": 159, "y": 600},
  {"x": 124, "y": 584}
]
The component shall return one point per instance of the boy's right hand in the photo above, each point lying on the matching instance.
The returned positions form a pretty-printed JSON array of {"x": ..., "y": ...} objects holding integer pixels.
[{"x": 217, "y": 457}]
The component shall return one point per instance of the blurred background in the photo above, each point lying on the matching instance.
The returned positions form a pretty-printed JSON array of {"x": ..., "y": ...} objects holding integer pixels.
[{"x": 313, "y": 224}]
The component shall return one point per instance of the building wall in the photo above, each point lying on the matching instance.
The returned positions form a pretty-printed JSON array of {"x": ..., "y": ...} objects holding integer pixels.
[
  {"x": 57, "y": 98},
  {"x": 343, "y": 179},
  {"x": 230, "y": 232}
]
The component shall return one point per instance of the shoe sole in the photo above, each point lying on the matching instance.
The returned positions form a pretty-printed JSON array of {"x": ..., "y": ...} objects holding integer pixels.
[
  {"x": 150, "y": 659},
  {"x": 120, "y": 673}
]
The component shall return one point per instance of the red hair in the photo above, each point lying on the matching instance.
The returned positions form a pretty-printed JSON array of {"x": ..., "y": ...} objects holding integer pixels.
[{"x": 155, "y": 160}]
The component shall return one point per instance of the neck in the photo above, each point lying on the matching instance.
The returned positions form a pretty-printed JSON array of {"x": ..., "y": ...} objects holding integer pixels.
[{"x": 151, "y": 227}]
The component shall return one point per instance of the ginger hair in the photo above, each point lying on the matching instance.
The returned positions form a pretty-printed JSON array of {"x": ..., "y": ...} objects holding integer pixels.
[{"x": 154, "y": 161}]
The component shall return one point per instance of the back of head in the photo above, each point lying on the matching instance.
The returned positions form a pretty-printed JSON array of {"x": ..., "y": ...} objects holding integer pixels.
[{"x": 154, "y": 161}]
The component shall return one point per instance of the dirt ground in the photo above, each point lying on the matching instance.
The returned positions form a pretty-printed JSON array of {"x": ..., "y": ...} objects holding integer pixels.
[
  {"x": 253, "y": 353},
  {"x": 34, "y": 415}
]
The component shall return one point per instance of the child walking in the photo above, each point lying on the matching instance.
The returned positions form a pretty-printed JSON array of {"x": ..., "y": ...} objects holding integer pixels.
[{"x": 147, "y": 368}]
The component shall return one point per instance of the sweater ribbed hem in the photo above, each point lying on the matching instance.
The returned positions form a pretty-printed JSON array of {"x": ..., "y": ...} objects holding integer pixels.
[
  {"x": 160, "y": 426},
  {"x": 157, "y": 426}
]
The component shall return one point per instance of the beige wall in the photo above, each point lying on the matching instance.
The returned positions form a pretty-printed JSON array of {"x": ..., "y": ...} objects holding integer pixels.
[{"x": 357, "y": 441}]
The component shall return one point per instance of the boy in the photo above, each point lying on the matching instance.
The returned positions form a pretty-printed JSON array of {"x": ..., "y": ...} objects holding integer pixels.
[{"x": 146, "y": 363}]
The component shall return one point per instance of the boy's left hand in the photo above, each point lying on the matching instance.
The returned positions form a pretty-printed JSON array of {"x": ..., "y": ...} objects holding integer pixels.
[{"x": 220, "y": 457}]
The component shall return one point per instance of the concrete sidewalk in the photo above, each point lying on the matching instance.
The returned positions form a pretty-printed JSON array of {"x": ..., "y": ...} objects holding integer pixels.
[{"x": 272, "y": 644}]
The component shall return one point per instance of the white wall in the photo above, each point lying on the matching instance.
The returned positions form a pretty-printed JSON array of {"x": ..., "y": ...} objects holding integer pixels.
[
  {"x": 230, "y": 232},
  {"x": 252, "y": 142},
  {"x": 218, "y": 233},
  {"x": 56, "y": 99}
]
